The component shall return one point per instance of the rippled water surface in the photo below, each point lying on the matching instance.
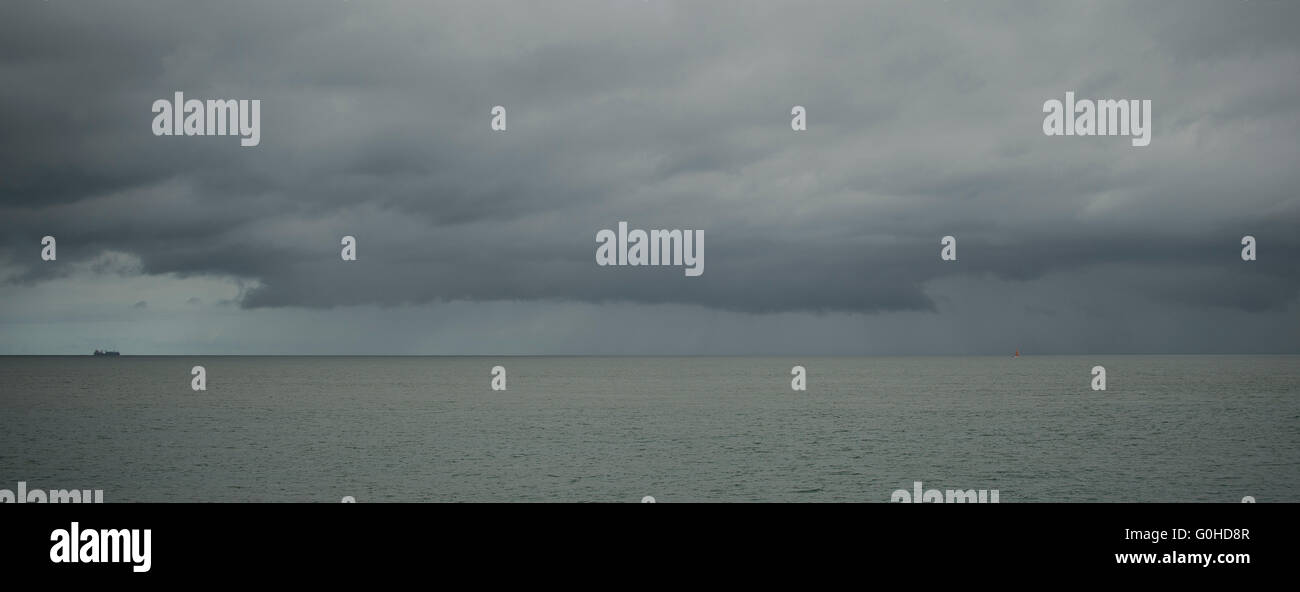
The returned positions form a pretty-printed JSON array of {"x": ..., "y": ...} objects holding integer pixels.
[{"x": 1177, "y": 428}]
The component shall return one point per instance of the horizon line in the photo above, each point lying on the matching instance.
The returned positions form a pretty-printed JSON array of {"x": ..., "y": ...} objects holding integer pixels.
[{"x": 573, "y": 355}]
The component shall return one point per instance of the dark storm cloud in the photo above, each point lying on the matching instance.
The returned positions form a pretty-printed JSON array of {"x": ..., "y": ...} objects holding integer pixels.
[{"x": 924, "y": 122}]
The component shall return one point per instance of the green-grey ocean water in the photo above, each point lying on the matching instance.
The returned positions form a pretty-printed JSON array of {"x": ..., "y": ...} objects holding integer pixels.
[{"x": 1168, "y": 428}]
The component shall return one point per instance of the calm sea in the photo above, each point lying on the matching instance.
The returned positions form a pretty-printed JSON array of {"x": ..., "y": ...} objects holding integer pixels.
[{"x": 583, "y": 429}]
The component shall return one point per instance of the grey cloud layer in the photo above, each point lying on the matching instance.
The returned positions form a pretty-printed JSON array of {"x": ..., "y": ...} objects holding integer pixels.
[{"x": 924, "y": 121}]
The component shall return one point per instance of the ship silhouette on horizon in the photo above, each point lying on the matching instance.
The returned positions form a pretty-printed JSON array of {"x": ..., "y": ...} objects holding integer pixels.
[{"x": 104, "y": 352}]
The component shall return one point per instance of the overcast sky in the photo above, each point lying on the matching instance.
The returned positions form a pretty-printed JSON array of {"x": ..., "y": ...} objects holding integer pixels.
[{"x": 924, "y": 120}]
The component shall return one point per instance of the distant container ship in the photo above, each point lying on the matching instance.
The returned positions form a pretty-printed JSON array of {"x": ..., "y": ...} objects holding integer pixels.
[{"x": 105, "y": 352}]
